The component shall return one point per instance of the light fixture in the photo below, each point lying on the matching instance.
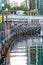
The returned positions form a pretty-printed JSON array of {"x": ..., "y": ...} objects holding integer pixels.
[
  {"x": 3, "y": 5},
  {"x": 6, "y": 9}
]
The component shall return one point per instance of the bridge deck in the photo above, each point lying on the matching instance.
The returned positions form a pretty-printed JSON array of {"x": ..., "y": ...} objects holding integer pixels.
[
  {"x": 14, "y": 30},
  {"x": 5, "y": 36},
  {"x": 23, "y": 18}
]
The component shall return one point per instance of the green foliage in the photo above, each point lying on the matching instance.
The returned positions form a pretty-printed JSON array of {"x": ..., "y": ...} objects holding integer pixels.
[
  {"x": 34, "y": 12},
  {"x": 25, "y": 13},
  {"x": 24, "y": 8},
  {"x": 20, "y": 8},
  {"x": 15, "y": 8},
  {"x": 1, "y": 12},
  {"x": 7, "y": 6}
]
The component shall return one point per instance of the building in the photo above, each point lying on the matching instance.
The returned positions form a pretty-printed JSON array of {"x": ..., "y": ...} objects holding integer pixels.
[
  {"x": 32, "y": 4},
  {"x": 40, "y": 6},
  {"x": 25, "y": 3},
  {"x": 12, "y": 4},
  {"x": 8, "y": 1},
  {"x": 35, "y": 52},
  {"x": 36, "y": 4},
  {"x": 36, "y": 55},
  {"x": 0, "y": 4},
  {"x": 5, "y": 1}
]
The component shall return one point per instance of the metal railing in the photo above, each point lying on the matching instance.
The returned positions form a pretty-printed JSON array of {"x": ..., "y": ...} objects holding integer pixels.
[{"x": 2, "y": 35}]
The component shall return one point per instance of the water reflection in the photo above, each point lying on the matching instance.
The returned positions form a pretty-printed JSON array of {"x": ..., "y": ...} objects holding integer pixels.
[{"x": 29, "y": 51}]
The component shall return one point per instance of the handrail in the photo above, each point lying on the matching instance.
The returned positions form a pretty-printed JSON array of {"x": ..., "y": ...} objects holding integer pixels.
[{"x": 10, "y": 31}]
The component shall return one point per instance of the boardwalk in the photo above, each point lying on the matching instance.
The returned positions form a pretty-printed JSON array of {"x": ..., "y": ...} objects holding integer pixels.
[
  {"x": 19, "y": 29},
  {"x": 28, "y": 26},
  {"x": 7, "y": 36}
]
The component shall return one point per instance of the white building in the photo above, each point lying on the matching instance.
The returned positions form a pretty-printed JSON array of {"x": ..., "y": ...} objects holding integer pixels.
[
  {"x": 25, "y": 3},
  {"x": 8, "y": 1}
]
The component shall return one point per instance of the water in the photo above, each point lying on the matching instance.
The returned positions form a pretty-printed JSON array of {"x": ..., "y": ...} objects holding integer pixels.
[{"x": 28, "y": 51}]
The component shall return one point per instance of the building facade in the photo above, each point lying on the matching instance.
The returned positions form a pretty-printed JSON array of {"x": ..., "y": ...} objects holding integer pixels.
[
  {"x": 8, "y": 1},
  {"x": 36, "y": 55},
  {"x": 40, "y": 6},
  {"x": 12, "y": 4},
  {"x": 33, "y": 4},
  {"x": 5, "y": 1},
  {"x": 36, "y": 4},
  {"x": 25, "y": 3},
  {"x": 0, "y": 4}
]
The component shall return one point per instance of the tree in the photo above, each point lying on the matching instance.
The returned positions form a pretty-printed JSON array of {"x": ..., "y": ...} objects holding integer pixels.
[
  {"x": 15, "y": 8},
  {"x": 34, "y": 12},
  {"x": 20, "y": 8},
  {"x": 1, "y": 12},
  {"x": 24, "y": 8},
  {"x": 7, "y": 6}
]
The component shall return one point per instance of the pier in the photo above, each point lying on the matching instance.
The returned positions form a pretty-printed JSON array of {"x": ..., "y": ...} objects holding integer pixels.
[{"x": 9, "y": 35}]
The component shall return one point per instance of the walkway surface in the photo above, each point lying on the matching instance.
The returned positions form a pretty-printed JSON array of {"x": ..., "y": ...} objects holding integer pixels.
[{"x": 8, "y": 32}]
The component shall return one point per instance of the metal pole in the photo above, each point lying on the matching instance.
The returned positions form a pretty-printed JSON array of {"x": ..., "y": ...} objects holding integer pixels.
[
  {"x": 2, "y": 14},
  {"x": 6, "y": 16}
]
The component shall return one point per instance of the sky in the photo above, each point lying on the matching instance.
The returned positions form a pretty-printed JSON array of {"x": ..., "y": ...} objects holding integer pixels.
[{"x": 19, "y": 1}]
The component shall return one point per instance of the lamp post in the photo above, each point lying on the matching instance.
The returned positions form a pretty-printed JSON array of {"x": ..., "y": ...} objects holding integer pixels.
[
  {"x": 6, "y": 13},
  {"x": 3, "y": 16},
  {"x": 6, "y": 16},
  {"x": 7, "y": 30},
  {"x": 2, "y": 12}
]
